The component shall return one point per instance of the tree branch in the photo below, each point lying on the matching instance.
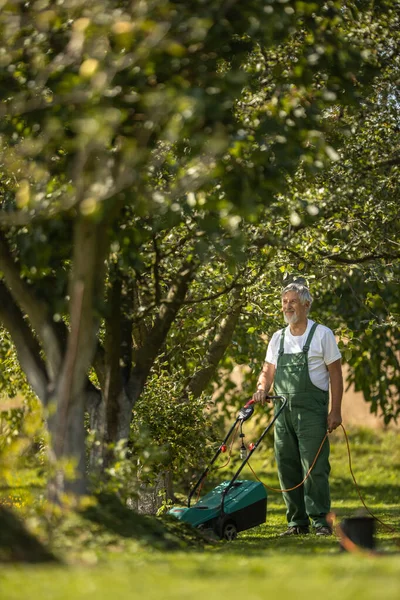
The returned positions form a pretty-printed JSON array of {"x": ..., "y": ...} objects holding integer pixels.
[
  {"x": 28, "y": 349},
  {"x": 156, "y": 271},
  {"x": 359, "y": 259},
  {"x": 199, "y": 381},
  {"x": 35, "y": 309},
  {"x": 147, "y": 354},
  {"x": 139, "y": 328},
  {"x": 388, "y": 162}
]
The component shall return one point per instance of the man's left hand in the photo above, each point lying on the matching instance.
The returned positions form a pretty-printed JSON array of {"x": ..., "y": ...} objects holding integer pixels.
[{"x": 334, "y": 420}]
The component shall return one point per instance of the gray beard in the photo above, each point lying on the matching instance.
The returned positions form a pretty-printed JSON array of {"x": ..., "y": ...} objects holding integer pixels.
[{"x": 292, "y": 320}]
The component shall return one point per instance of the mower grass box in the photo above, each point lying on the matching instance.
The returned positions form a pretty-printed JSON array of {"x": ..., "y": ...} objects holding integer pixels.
[{"x": 245, "y": 506}]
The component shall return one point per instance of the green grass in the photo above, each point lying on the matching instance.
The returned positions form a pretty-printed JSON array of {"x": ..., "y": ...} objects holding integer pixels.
[
  {"x": 111, "y": 555},
  {"x": 212, "y": 576}
]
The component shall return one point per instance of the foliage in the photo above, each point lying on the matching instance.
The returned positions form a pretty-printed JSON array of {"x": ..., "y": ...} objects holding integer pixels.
[
  {"x": 170, "y": 432},
  {"x": 12, "y": 379},
  {"x": 22, "y": 440},
  {"x": 353, "y": 253},
  {"x": 162, "y": 171},
  {"x": 23, "y": 460},
  {"x": 119, "y": 477},
  {"x": 371, "y": 340}
]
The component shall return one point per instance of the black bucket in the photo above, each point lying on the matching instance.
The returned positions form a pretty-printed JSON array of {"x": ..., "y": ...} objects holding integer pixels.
[{"x": 360, "y": 530}]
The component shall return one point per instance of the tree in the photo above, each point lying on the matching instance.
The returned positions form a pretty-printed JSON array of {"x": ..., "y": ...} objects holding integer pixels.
[
  {"x": 351, "y": 243},
  {"x": 123, "y": 123}
]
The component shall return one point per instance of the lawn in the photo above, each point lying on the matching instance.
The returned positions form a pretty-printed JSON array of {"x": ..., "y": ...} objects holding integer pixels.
[{"x": 113, "y": 562}]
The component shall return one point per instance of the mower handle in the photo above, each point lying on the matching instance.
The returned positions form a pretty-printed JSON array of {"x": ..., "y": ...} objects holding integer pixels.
[
  {"x": 223, "y": 444},
  {"x": 236, "y": 475},
  {"x": 251, "y": 401}
]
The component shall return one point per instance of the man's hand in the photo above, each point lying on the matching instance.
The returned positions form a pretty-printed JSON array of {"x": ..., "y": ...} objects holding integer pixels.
[
  {"x": 334, "y": 420},
  {"x": 336, "y": 377},
  {"x": 264, "y": 383},
  {"x": 261, "y": 396}
]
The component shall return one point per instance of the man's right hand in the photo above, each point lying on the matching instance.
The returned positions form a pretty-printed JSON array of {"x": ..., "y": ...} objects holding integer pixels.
[{"x": 261, "y": 396}]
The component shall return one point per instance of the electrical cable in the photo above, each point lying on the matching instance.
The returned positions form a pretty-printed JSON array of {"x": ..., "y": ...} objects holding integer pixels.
[
  {"x": 347, "y": 543},
  {"x": 301, "y": 482},
  {"x": 391, "y": 529},
  {"x": 230, "y": 449}
]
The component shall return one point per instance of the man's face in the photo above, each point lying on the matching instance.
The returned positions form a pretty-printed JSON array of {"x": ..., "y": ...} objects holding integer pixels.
[{"x": 293, "y": 310}]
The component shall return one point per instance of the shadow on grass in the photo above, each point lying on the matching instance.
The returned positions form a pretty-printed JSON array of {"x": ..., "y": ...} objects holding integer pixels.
[
  {"x": 266, "y": 538},
  {"x": 166, "y": 533},
  {"x": 17, "y": 544},
  {"x": 169, "y": 534}
]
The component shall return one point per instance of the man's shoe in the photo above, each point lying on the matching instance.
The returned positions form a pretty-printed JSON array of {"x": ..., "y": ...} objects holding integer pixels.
[
  {"x": 323, "y": 531},
  {"x": 295, "y": 530}
]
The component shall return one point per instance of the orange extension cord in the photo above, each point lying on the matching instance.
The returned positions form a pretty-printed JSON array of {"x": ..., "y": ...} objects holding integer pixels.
[
  {"x": 301, "y": 482},
  {"x": 346, "y": 542}
]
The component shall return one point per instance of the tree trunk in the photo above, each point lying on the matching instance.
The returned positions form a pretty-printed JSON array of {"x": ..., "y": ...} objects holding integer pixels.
[
  {"x": 117, "y": 356},
  {"x": 70, "y": 394},
  {"x": 151, "y": 495},
  {"x": 95, "y": 407},
  {"x": 69, "y": 447}
]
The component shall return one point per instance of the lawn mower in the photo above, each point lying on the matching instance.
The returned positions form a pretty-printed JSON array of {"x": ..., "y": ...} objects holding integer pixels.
[{"x": 233, "y": 505}]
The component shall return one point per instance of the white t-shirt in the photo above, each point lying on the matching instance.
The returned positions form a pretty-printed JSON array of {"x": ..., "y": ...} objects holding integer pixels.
[{"x": 323, "y": 351}]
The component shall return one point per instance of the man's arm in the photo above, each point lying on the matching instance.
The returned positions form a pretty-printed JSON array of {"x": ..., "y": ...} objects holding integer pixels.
[
  {"x": 264, "y": 383},
  {"x": 336, "y": 379}
]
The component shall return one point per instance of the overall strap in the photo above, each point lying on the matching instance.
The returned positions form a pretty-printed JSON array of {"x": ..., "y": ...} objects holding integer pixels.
[
  {"x": 282, "y": 343},
  {"x": 306, "y": 346}
]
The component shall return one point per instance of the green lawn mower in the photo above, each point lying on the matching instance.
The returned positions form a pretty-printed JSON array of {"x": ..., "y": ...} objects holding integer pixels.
[{"x": 233, "y": 505}]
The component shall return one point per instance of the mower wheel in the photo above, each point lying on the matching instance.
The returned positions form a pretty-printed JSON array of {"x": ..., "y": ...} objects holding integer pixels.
[{"x": 229, "y": 531}]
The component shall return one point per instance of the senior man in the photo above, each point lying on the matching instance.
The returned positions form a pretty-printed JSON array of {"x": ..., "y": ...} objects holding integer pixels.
[{"x": 301, "y": 361}]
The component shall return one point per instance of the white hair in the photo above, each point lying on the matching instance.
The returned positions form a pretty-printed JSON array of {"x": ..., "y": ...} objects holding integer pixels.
[{"x": 302, "y": 291}]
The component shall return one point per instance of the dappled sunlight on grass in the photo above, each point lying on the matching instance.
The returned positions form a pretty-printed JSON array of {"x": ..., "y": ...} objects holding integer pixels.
[{"x": 110, "y": 551}]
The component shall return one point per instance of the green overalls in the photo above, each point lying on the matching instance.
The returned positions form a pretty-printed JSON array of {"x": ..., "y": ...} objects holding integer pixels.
[{"x": 299, "y": 431}]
